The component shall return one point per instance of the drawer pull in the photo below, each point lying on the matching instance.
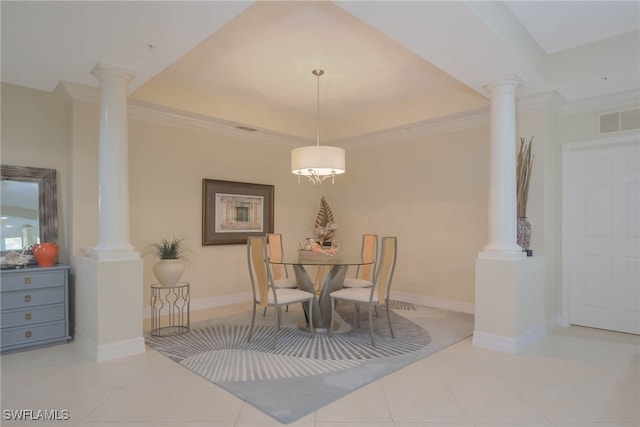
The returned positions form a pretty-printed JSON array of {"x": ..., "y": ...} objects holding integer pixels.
[
  {"x": 27, "y": 298},
  {"x": 27, "y": 280},
  {"x": 27, "y": 334},
  {"x": 27, "y": 316}
]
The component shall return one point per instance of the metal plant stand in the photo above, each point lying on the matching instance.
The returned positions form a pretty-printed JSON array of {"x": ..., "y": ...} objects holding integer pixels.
[{"x": 169, "y": 309}]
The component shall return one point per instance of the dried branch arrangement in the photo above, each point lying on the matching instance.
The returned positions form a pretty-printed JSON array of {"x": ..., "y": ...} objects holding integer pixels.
[
  {"x": 324, "y": 222},
  {"x": 523, "y": 175}
]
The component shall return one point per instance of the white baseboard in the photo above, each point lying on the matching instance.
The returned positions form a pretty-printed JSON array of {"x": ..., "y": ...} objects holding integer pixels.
[
  {"x": 510, "y": 344},
  {"x": 495, "y": 342},
  {"x": 204, "y": 303},
  {"x": 445, "y": 304},
  {"x": 120, "y": 349},
  {"x": 111, "y": 351}
]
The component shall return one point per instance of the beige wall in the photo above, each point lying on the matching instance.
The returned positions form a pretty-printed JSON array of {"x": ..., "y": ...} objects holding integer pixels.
[
  {"x": 432, "y": 193},
  {"x": 36, "y": 132},
  {"x": 167, "y": 166},
  {"x": 83, "y": 188}
]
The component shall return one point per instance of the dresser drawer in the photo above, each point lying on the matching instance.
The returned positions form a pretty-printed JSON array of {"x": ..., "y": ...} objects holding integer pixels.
[
  {"x": 32, "y": 298},
  {"x": 32, "y": 279},
  {"x": 32, "y": 316},
  {"x": 27, "y": 335}
]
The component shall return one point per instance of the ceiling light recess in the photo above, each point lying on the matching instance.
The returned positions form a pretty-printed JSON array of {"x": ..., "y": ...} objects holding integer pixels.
[{"x": 318, "y": 162}]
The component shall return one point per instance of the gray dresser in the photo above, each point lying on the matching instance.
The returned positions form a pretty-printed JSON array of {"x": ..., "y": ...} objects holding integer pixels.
[{"x": 35, "y": 307}]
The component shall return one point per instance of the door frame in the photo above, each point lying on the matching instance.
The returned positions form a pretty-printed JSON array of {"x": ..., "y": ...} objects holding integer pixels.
[{"x": 568, "y": 150}]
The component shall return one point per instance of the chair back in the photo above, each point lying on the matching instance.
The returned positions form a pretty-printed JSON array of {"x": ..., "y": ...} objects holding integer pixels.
[
  {"x": 369, "y": 253},
  {"x": 274, "y": 243},
  {"x": 385, "y": 269},
  {"x": 258, "y": 270}
]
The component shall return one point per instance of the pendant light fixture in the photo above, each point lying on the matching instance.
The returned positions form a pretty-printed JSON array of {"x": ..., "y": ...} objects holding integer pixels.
[{"x": 317, "y": 162}]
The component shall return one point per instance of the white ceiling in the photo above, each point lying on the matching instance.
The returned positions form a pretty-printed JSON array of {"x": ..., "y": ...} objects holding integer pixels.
[
  {"x": 388, "y": 64},
  {"x": 561, "y": 25}
]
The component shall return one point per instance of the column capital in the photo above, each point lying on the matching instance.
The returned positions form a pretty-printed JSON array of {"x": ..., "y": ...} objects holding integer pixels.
[
  {"x": 102, "y": 70},
  {"x": 512, "y": 80}
]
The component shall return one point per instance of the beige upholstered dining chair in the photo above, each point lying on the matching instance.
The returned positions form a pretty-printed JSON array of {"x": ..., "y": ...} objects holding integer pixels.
[
  {"x": 364, "y": 273},
  {"x": 279, "y": 271},
  {"x": 276, "y": 252},
  {"x": 265, "y": 293},
  {"x": 378, "y": 294}
]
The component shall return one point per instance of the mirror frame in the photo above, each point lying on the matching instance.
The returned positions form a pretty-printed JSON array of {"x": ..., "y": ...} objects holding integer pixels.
[{"x": 47, "y": 196}]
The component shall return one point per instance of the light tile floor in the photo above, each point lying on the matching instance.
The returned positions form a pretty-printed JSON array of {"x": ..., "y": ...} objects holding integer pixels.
[{"x": 573, "y": 377}]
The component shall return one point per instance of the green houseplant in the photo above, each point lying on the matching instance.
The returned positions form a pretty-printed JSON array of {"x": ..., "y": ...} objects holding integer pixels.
[
  {"x": 170, "y": 267},
  {"x": 168, "y": 249}
]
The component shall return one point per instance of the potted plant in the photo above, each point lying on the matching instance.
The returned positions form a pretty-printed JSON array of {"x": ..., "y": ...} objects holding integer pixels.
[
  {"x": 170, "y": 267},
  {"x": 523, "y": 176}
]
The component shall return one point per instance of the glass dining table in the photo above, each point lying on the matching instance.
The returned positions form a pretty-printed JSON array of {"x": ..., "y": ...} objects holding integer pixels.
[{"x": 332, "y": 282}]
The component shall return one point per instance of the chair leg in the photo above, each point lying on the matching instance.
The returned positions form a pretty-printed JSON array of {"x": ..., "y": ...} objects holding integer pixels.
[
  {"x": 333, "y": 310},
  {"x": 373, "y": 340},
  {"x": 253, "y": 321},
  {"x": 375, "y": 308},
  {"x": 389, "y": 319},
  {"x": 313, "y": 331},
  {"x": 356, "y": 316},
  {"x": 279, "y": 317},
  {"x": 275, "y": 334}
]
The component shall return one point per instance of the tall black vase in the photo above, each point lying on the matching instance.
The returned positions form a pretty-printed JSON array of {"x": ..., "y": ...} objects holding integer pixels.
[{"x": 524, "y": 233}]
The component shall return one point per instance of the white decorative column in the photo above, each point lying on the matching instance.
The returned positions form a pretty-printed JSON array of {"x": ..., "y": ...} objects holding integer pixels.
[
  {"x": 502, "y": 187},
  {"x": 109, "y": 283},
  {"x": 509, "y": 299},
  {"x": 113, "y": 165}
]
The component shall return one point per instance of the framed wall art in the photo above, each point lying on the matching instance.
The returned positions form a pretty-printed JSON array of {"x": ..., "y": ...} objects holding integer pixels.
[{"x": 233, "y": 211}]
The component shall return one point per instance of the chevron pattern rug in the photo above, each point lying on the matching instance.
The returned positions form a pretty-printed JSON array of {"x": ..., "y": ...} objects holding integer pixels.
[{"x": 326, "y": 367}]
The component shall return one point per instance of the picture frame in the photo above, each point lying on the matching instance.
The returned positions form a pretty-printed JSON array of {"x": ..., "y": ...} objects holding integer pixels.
[{"x": 233, "y": 211}]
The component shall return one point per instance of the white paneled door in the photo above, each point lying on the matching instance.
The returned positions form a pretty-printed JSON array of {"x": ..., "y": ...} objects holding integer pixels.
[{"x": 602, "y": 216}]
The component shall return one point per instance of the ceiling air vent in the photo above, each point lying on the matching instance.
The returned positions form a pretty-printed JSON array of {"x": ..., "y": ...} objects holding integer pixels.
[
  {"x": 620, "y": 121},
  {"x": 630, "y": 119}
]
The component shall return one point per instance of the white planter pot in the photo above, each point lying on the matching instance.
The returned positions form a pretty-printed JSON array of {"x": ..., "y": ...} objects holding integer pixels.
[{"x": 169, "y": 271}]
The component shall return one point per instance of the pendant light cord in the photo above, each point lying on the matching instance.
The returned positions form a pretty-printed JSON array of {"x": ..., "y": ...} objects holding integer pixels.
[{"x": 318, "y": 73}]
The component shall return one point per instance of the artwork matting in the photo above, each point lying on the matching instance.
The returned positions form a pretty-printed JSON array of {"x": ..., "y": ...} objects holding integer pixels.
[{"x": 233, "y": 211}]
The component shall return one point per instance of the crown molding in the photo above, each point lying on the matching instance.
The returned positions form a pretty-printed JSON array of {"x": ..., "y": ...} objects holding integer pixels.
[
  {"x": 455, "y": 122},
  {"x": 550, "y": 100},
  {"x": 614, "y": 102},
  {"x": 149, "y": 112},
  {"x": 78, "y": 92}
]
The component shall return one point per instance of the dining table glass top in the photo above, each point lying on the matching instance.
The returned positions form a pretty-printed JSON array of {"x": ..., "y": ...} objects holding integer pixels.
[{"x": 329, "y": 260}]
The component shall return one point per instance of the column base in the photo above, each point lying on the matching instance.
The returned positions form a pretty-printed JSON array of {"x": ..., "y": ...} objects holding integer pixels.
[
  {"x": 509, "y": 312},
  {"x": 109, "y": 307}
]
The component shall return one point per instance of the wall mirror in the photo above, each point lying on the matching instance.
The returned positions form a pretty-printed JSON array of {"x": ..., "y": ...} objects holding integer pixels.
[{"x": 28, "y": 207}]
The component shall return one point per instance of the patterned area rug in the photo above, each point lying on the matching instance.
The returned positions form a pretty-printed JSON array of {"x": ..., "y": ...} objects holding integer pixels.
[{"x": 302, "y": 374}]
